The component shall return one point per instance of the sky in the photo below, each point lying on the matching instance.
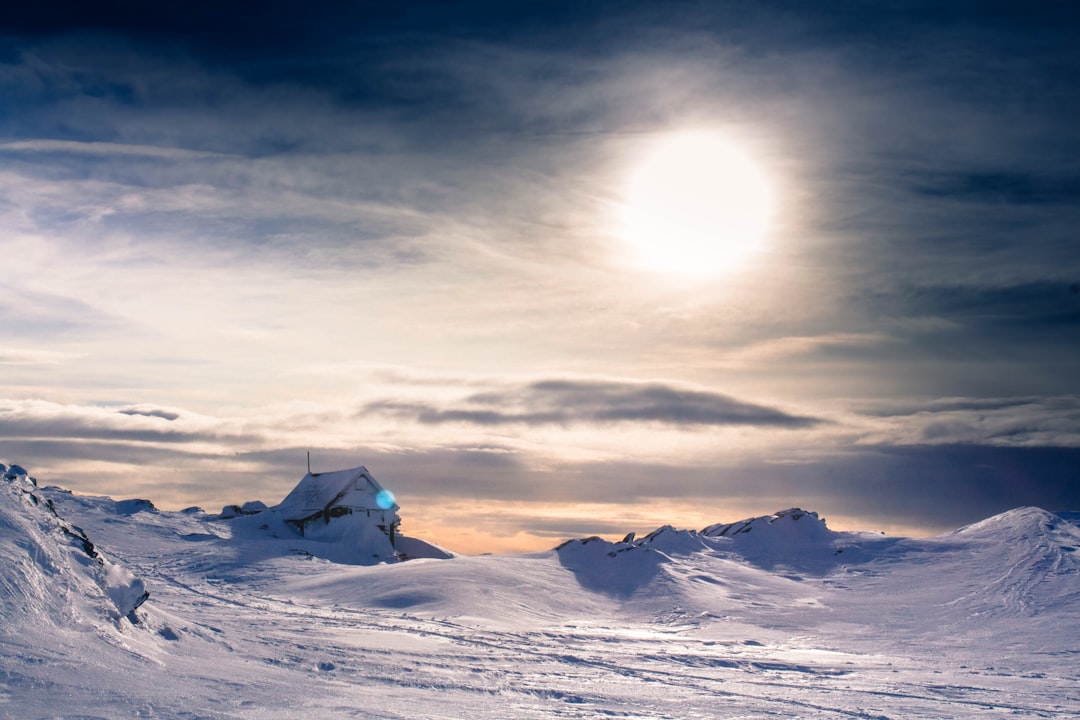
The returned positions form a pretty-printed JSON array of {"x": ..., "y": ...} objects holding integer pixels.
[{"x": 412, "y": 236}]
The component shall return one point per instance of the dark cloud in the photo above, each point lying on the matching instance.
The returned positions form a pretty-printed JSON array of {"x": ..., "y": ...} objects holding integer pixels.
[
  {"x": 1002, "y": 187},
  {"x": 901, "y": 409},
  {"x": 276, "y": 25},
  {"x": 952, "y": 485},
  {"x": 76, "y": 428},
  {"x": 37, "y": 452},
  {"x": 485, "y": 472},
  {"x": 928, "y": 488},
  {"x": 575, "y": 401},
  {"x": 1033, "y": 306},
  {"x": 977, "y": 339},
  {"x": 932, "y": 488},
  {"x": 150, "y": 412}
]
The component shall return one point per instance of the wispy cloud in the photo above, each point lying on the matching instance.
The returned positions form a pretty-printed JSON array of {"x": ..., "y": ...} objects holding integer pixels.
[
  {"x": 576, "y": 401},
  {"x": 105, "y": 149},
  {"x": 1002, "y": 187},
  {"x": 992, "y": 307},
  {"x": 1008, "y": 422},
  {"x": 793, "y": 346},
  {"x": 41, "y": 420},
  {"x": 46, "y": 315},
  {"x": 30, "y": 356}
]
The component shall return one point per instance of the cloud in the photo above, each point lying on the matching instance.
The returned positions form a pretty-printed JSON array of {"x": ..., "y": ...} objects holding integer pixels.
[
  {"x": 924, "y": 489},
  {"x": 30, "y": 356},
  {"x": 899, "y": 476},
  {"x": 798, "y": 345},
  {"x": 48, "y": 314},
  {"x": 1002, "y": 187},
  {"x": 42, "y": 420},
  {"x": 83, "y": 462},
  {"x": 1012, "y": 422},
  {"x": 934, "y": 488},
  {"x": 105, "y": 149},
  {"x": 976, "y": 338},
  {"x": 150, "y": 411},
  {"x": 547, "y": 402},
  {"x": 1034, "y": 305},
  {"x": 945, "y": 486}
]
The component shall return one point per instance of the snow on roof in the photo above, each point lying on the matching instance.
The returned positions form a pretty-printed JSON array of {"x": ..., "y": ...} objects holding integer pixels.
[{"x": 354, "y": 488}]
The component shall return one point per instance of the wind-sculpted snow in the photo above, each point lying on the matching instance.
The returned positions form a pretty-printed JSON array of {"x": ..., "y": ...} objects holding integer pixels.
[
  {"x": 776, "y": 616},
  {"x": 53, "y": 573},
  {"x": 790, "y": 540},
  {"x": 1035, "y": 563},
  {"x": 794, "y": 539},
  {"x": 616, "y": 569}
]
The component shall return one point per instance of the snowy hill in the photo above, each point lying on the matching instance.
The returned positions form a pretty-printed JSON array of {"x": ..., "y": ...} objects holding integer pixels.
[
  {"x": 53, "y": 573},
  {"x": 776, "y": 616}
]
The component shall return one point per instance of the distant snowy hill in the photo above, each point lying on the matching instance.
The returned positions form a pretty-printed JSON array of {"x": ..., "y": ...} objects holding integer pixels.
[
  {"x": 774, "y": 616},
  {"x": 792, "y": 539}
]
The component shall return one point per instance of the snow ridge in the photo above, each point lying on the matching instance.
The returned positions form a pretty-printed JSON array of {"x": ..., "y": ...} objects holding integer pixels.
[
  {"x": 792, "y": 539},
  {"x": 54, "y": 572}
]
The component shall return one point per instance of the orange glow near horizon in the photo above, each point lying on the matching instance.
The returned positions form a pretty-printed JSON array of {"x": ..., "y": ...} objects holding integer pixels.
[
  {"x": 501, "y": 526},
  {"x": 478, "y": 526}
]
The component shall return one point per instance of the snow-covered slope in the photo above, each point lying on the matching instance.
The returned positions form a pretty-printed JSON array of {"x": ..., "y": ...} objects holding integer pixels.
[
  {"x": 53, "y": 573},
  {"x": 1023, "y": 562},
  {"x": 777, "y": 616}
]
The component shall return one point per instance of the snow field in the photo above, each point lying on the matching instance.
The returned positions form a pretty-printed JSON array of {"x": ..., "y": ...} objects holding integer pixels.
[{"x": 788, "y": 619}]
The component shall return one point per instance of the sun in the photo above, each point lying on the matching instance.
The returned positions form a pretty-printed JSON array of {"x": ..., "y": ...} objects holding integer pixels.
[{"x": 695, "y": 205}]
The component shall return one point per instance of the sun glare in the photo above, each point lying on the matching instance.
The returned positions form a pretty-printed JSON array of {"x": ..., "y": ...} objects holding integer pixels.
[{"x": 695, "y": 205}]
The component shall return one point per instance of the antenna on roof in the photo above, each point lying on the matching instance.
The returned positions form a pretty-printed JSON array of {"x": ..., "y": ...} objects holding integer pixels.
[{"x": 308, "y": 462}]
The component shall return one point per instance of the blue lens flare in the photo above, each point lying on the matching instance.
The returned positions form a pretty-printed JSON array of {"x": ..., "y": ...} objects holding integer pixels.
[{"x": 385, "y": 500}]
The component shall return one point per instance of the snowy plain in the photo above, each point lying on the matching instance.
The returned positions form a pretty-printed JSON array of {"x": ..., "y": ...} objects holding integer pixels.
[{"x": 776, "y": 616}]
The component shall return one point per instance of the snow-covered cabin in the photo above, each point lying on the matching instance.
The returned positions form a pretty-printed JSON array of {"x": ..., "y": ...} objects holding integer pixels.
[{"x": 315, "y": 504}]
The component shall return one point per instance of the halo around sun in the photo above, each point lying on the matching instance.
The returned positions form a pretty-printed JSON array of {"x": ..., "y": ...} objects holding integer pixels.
[{"x": 694, "y": 205}]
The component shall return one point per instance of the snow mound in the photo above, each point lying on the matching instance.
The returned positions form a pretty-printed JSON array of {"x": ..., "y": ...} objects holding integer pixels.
[
  {"x": 1026, "y": 560},
  {"x": 1047, "y": 542},
  {"x": 411, "y": 548},
  {"x": 252, "y": 507},
  {"x": 53, "y": 573},
  {"x": 1020, "y": 524},
  {"x": 130, "y": 507},
  {"x": 670, "y": 541},
  {"x": 616, "y": 569},
  {"x": 793, "y": 525},
  {"x": 792, "y": 539}
]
